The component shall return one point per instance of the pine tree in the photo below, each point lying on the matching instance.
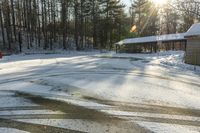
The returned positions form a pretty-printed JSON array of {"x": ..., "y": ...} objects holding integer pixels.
[{"x": 146, "y": 17}]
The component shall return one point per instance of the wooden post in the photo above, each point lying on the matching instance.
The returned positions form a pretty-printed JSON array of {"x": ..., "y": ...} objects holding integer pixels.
[
  {"x": 185, "y": 45},
  {"x": 155, "y": 48},
  {"x": 20, "y": 41}
]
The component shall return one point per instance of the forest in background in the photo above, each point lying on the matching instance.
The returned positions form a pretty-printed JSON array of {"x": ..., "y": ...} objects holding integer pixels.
[{"x": 88, "y": 24}]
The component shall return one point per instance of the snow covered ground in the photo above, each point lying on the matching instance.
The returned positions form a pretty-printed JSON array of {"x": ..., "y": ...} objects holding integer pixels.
[
  {"x": 10, "y": 130},
  {"x": 158, "y": 92}
]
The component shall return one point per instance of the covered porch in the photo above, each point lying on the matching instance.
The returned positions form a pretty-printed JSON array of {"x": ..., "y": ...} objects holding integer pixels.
[{"x": 152, "y": 44}]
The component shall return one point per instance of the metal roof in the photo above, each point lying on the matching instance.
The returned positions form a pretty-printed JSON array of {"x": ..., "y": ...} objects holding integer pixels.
[
  {"x": 149, "y": 39},
  {"x": 193, "y": 31}
]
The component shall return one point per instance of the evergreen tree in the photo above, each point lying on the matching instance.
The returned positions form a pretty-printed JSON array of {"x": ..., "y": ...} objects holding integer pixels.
[{"x": 145, "y": 17}]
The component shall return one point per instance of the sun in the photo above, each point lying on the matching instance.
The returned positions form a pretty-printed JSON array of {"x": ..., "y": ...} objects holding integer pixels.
[{"x": 159, "y": 2}]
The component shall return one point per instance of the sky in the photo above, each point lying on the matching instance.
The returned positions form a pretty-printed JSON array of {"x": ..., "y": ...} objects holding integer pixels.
[{"x": 127, "y": 2}]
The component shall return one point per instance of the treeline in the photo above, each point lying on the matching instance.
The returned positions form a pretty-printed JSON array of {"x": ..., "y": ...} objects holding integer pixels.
[
  {"x": 72, "y": 23},
  {"x": 172, "y": 17},
  {"x": 82, "y": 24}
]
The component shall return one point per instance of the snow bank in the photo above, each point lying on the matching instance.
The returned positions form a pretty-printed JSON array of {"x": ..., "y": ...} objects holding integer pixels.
[{"x": 177, "y": 60}]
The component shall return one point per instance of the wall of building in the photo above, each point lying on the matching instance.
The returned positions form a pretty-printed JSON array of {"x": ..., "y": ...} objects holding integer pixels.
[{"x": 193, "y": 51}]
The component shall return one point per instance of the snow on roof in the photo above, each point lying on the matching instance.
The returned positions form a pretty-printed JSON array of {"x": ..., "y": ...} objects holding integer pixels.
[
  {"x": 160, "y": 38},
  {"x": 194, "y": 30}
]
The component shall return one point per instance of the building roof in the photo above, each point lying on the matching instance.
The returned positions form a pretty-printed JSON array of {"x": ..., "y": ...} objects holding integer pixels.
[
  {"x": 151, "y": 39},
  {"x": 193, "y": 31}
]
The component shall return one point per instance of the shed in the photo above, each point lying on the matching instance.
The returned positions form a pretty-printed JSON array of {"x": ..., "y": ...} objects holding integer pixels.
[
  {"x": 153, "y": 43},
  {"x": 188, "y": 41},
  {"x": 193, "y": 45}
]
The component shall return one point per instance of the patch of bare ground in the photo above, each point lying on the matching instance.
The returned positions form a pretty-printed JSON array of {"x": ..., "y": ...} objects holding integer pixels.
[
  {"x": 78, "y": 112},
  {"x": 155, "y": 109}
]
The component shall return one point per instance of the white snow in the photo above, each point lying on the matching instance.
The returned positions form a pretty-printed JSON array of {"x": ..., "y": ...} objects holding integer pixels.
[
  {"x": 13, "y": 102},
  {"x": 78, "y": 125},
  {"x": 142, "y": 90},
  {"x": 155, "y": 82},
  {"x": 177, "y": 60},
  {"x": 11, "y": 130},
  {"x": 152, "y": 115},
  {"x": 168, "y": 128},
  {"x": 143, "y": 79}
]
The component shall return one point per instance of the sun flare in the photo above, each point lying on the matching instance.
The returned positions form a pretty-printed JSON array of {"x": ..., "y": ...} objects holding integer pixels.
[{"x": 159, "y": 2}]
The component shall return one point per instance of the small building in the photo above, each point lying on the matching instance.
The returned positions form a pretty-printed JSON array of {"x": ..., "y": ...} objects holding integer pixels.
[
  {"x": 188, "y": 41},
  {"x": 193, "y": 45},
  {"x": 152, "y": 43}
]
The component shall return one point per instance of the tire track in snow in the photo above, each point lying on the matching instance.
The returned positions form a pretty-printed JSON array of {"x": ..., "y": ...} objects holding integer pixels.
[
  {"x": 76, "y": 112},
  {"x": 34, "y": 128}
]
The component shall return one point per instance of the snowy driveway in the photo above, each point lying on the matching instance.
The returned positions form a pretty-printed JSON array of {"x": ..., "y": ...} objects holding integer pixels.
[{"x": 107, "y": 93}]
